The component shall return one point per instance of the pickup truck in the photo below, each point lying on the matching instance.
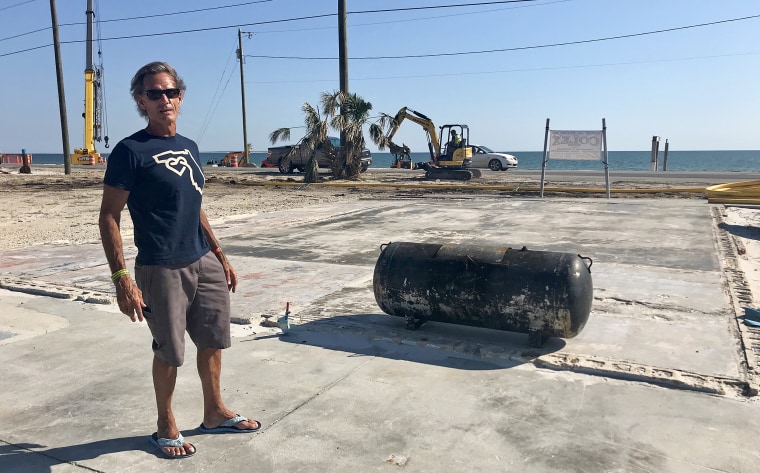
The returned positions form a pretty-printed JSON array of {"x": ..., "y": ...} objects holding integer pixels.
[{"x": 277, "y": 156}]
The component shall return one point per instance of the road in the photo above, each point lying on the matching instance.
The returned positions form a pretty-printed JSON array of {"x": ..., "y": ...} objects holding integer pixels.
[
  {"x": 526, "y": 180},
  {"x": 672, "y": 177}
]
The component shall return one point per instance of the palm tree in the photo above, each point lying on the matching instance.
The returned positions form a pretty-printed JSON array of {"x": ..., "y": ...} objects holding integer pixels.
[
  {"x": 345, "y": 162},
  {"x": 348, "y": 113},
  {"x": 316, "y": 134}
]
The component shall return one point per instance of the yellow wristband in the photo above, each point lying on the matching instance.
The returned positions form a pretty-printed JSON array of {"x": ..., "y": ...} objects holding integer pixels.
[{"x": 118, "y": 274}]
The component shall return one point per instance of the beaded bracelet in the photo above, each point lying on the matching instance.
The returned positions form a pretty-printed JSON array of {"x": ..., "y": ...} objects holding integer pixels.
[{"x": 118, "y": 274}]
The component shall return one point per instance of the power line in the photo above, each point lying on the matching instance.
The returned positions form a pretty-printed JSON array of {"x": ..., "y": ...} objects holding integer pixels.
[
  {"x": 310, "y": 17},
  {"x": 25, "y": 34},
  {"x": 16, "y": 5},
  {"x": 217, "y": 98},
  {"x": 504, "y": 71},
  {"x": 29, "y": 49},
  {"x": 427, "y": 18},
  {"x": 195, "y": 30},
  {"x": 519, "y": 48},
  {"x": 220, "y": 7},
  {"x": 458, "y": 5},
  {"x": 138, "y": 17},
  {"x": 453, "y": 5}
]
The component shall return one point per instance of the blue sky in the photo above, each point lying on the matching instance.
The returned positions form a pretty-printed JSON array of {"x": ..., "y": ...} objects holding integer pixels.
[{"x": 696, "y": 87}]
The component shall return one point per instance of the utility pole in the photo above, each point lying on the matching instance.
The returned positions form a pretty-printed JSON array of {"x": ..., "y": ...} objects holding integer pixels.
[
  {"x": 61, "y": 95},
  {"x": 343, "y": 60},
  {"x": 242, "y": 96}
]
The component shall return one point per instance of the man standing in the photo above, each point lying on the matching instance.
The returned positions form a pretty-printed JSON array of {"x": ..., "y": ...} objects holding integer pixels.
[{"x": 182, "y": 277}]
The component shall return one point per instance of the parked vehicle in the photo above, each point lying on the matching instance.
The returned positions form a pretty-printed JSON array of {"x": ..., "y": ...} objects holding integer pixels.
[
  {"x": 485, "y": 158},
  {"x": 278, "y": 157}
]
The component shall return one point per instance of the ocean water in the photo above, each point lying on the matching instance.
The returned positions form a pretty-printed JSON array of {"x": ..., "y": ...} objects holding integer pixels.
[{"x": 737, "y": 161}]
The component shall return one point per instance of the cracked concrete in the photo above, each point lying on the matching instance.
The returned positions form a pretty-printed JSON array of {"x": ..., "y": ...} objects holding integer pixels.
[{"x": 657, "y": 380}]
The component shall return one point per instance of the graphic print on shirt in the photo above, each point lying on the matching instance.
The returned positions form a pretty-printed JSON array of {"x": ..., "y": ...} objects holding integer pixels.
[{"x": 177, "y": 162}]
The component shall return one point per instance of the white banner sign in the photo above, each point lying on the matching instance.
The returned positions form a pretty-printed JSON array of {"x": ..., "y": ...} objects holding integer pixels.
[{"x": 575, "y": 145}]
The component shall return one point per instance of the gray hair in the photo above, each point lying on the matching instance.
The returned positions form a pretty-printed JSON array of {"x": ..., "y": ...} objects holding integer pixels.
[{"x": 137, "y": 89}]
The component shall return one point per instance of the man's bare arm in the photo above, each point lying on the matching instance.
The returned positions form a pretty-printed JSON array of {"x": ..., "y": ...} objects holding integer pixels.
[
  {"x": 128, "y": 295},
  {"x": 229, "y": 272}
]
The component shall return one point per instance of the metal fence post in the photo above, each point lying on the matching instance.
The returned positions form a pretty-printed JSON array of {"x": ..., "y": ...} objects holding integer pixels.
[{"x": 655, "y": 152}]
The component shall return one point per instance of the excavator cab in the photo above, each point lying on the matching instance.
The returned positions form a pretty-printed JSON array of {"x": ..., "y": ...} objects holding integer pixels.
[{"x": 457, "y": 153}]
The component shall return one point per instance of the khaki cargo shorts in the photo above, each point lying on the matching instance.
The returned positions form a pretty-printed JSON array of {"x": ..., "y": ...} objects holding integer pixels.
[{"x": 192, "y": 297}]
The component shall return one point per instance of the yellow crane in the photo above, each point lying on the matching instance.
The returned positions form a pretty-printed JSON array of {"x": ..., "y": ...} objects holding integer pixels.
[{"x": 93, "y": 100}]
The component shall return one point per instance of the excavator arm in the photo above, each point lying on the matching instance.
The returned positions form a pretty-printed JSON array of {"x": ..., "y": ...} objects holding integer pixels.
[
  {"x": 434, "y": 145},
  {"x": 453, "y": 166}
]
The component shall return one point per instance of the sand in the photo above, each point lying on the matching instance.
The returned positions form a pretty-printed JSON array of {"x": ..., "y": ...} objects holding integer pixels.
[{"x": 50, "y": 207}]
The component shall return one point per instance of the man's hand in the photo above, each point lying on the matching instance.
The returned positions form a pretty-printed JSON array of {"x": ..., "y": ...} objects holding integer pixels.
[
  {"x": 229, "y": 272},
  {"x": 129, "y": 297},
  {"x": 231, "y": 278}
]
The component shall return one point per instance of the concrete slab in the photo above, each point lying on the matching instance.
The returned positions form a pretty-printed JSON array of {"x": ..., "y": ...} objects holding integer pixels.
[
  {"x": 659, "y": 297},
  {"x": 349, "y": 389},
  {"x": 658, "y": 294},
  {"x": 346, "y": 403}
]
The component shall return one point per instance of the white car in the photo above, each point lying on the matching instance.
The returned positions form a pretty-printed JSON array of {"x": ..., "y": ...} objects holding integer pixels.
[{"x": 485, "y": 158}]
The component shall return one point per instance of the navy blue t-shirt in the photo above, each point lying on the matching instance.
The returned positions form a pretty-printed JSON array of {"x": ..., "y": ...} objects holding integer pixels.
[{"x": 165, "y": 184}]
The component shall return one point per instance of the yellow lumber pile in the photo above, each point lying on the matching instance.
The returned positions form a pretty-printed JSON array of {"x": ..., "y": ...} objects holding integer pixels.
[{"x": 737, "y": 193}]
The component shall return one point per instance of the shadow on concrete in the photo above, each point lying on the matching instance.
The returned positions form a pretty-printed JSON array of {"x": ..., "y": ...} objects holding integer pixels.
[
  {"x": 435, "y": 343},
  {"x": 36, "y": 458},
  {"x": 743, "y": 231}
]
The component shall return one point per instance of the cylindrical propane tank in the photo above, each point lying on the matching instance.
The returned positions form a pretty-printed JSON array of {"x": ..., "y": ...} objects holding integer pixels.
[{"x": 542, "y": 293}]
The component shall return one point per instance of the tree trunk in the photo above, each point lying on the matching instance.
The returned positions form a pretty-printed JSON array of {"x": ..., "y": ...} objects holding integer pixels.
[{"x": 311, "y": 173}]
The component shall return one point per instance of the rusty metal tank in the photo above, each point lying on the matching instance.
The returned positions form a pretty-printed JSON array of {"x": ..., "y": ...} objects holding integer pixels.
[{"x": 541, "y": 293}]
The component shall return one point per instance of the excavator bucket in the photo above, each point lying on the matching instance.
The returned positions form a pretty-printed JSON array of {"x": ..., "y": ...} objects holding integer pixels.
[{"x": 396, "y": 149}]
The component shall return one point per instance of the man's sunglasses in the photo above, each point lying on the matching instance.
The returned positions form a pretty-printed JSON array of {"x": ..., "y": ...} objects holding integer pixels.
[{"x": 155, "y": 94}]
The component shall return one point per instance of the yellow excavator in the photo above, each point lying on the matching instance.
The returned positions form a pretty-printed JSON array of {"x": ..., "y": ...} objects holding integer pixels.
[{"x": 451, "y": 162}]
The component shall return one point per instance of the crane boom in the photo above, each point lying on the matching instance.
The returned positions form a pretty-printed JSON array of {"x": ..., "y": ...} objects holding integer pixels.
[{"x": 87, "y": 154}]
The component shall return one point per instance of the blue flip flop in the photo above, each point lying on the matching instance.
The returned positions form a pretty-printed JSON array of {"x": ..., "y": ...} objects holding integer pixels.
[
  {"x": 228, "y": 427},
  {"x": 178, "y": 442},
  {"x": 751, "y": 317}
]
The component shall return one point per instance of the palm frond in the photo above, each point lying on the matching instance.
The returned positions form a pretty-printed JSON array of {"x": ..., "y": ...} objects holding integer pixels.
[
  {"x": 312, "y": 117},
  {"x": 377, "y": 135},
  {"x": 354, "y": 134},
  {"x": 385, "y": 121},
  {"x": 357, "y": 108},
  {"x": 322, "y": 131},
  {"x": 337, "y": 123},
  {"x": 279, "y": 134},
  {"x": 331, "y": 102}
]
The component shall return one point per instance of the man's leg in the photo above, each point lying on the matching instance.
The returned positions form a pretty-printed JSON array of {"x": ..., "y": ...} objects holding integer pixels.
[
  {"x": 214, "y": 412},
  {"x": 164, "y": 380}
]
